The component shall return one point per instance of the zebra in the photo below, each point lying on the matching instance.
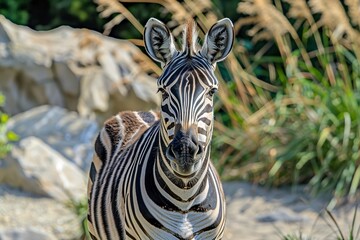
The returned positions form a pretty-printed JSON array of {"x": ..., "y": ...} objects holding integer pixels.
[{"x": 151, "y": 175}]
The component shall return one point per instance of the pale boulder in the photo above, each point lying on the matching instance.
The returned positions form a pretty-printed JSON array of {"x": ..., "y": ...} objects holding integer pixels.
[
  {"x": 66, "y": 132},
  {"x": 77, "y": 69},
  {"x": 35, "y": 167}
]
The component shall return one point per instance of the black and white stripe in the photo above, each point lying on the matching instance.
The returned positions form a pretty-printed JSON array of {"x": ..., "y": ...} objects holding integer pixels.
[{"x": 137, "y": 189}]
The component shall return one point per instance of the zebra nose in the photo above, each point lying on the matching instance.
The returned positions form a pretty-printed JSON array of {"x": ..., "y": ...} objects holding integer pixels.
[{"x": 184, "y": 152}]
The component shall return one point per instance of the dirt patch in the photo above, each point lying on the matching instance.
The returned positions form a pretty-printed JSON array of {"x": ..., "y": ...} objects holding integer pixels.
[{"x": 256, "y": 213}]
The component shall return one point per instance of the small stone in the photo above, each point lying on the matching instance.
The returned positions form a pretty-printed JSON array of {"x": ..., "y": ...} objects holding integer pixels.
[
  {"x": 25, "y": 234},
  {"x": 280, "y": 215}
]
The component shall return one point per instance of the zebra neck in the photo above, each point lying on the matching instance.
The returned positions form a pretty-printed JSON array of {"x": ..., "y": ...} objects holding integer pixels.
[{"x": 184, "y": 190}]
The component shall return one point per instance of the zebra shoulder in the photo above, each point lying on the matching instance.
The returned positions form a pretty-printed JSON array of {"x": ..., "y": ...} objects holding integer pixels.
[
  {"x": 119, "y": 132},
  {"x": 134, "y": 124}
]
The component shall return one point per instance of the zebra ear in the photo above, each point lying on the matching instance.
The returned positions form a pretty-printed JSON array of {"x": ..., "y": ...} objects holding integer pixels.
[
  {"x": 218, "y": 41},
  {"x": 159, "y": 42}
]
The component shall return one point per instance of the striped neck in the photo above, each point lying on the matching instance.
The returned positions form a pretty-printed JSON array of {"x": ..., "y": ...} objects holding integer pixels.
[{"x": 182, "y": 188}]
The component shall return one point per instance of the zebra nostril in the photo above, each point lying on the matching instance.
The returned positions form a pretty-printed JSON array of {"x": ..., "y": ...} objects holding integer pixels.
[
  {"x": 170, "y": 153},
  {"x": 200, "y": 150}
]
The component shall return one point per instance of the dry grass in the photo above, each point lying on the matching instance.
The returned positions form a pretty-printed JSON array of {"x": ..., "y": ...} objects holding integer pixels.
[
  {"x": 282, "y": 118},
  {"x": 300, "y": 10},
  {"x": 269, "y": 23},
  {"x": 334, "y": 17},
  {"x": 354, "y": 11},
  {"x": 246, "y": 83}
]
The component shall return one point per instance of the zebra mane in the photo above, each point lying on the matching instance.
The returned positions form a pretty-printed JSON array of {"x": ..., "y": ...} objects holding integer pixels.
[{"x": 190, "y": 38}]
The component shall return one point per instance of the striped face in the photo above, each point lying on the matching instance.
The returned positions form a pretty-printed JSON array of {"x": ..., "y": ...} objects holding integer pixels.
[{"x": 187, "y": 86}]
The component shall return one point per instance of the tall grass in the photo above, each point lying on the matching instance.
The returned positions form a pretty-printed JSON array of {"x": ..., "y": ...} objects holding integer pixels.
[
  {"x": 309, "y": 132},
  {"x": 287, "y": 111},
  {"x": 336, "y": 233}
]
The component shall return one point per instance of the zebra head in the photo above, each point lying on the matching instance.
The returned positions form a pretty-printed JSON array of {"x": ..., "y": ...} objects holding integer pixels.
[{"x": 187, "y": 85}]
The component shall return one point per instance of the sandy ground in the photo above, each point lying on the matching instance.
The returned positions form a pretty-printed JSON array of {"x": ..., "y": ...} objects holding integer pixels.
[
  {"x": 24, "y": 211},
  {"x": 255, "y": 213}
]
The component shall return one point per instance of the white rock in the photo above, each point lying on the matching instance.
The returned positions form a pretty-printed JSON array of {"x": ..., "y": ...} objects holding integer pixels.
[
  {"x": 35, "y": 167},
  {"x": 66, "y": 132},
  {"x": 77, "y": 69}
]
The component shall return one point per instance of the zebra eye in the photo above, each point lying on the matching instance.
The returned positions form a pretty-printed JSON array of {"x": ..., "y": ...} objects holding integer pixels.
[
  {"x": 163, "y": 93},
  {"x": 212, "y": 92}
]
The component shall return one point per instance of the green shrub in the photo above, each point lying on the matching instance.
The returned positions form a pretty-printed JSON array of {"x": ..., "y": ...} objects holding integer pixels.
[
  {"x": 80, "y": 208},
  {"x": 49, "y": 14},
  {"x": 15, "y": 10},
  {"x": 309, "y": 130},
  {"x": 6, "y": 137}
]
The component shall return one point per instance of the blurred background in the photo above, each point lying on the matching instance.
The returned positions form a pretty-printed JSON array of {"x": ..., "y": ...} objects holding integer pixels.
[{"x": 287, "y": 132}]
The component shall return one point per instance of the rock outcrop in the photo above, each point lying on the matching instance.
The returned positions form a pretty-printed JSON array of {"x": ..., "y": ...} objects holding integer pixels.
[
  {"x": 53, "y": 155},
  {"x": 77, "y": 69},
  {"x": 35, "y": 167},
  {"x": 64, "y": 131}
]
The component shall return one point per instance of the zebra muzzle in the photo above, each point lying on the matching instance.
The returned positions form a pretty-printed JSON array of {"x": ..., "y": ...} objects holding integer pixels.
[{"x": 185, "y": 153}]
